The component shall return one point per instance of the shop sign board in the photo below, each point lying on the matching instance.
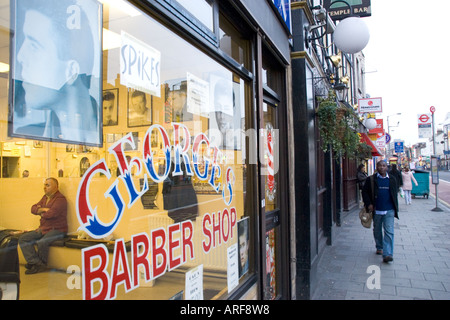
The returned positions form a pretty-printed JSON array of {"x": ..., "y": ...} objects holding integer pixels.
[
  {"x": 284, "y": 8},
  {"x": 370, "y": 105},
  {"x": 381, "y": 141},
  {"x": 338, "y": 10},
  {"x": 379, "y": 128}
]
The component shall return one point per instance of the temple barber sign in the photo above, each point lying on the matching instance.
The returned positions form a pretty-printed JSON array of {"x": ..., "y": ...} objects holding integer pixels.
[
  {"x": 339, "y": 10},
  {"x": 154, "y": 252}
]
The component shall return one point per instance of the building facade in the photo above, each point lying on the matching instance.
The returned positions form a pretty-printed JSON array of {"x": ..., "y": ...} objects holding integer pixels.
[
  {"x": 323, "y": 184},
  {"x": 185, "y": 140}
]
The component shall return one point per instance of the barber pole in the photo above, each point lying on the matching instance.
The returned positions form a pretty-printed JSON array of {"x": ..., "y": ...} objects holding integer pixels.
[{"x": 270, "y": 163}]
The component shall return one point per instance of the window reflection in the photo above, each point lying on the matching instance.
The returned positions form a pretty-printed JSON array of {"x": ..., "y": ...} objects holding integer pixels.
[
  {"x": 233, "y": 42},
  {"x": 197, "y": 96},
  {"x": 201, "y": 9}
]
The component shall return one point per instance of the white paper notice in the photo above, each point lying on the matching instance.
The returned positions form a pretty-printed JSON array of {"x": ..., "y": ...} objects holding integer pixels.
[
  {"x": 233, "y": 267},
  {"x": 194, "y": 284},
  {"x": 197, "y": 95},
  {"x": 140, "y": 65}
]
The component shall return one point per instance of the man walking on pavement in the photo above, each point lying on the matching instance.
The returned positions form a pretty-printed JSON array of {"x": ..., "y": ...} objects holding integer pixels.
[{"x": 380, "y": 197}]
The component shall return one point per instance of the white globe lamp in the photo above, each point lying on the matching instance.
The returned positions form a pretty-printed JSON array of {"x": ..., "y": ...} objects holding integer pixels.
[
  {"x": 351, "y": 35},
  {"x": 370, "y": 123}
]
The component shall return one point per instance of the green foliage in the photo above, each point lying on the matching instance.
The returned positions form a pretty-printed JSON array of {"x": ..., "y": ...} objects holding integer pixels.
[
  {"x": 364, "y": 151},
  {"x": 337, "y": 127}
]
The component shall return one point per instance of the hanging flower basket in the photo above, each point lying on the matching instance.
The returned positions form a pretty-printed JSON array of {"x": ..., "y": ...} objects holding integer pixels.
[
  {"x": 341, "y": 125},
  {"x": 337, "y": 127}
]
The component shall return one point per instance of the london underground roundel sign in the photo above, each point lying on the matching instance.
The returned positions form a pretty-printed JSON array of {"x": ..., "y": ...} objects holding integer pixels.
[{"x": 424, "y": 118}]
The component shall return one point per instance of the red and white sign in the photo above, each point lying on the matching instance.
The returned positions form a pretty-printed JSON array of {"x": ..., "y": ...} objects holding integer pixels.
[
  {"x": 270, "y": 192},
  {"x": 432, "y": 109},
  {"x": 379, "y": 128},
  {"x": 424, "y": 118},
  {"x": 370, "y": 105},
  {"x": 424, "y": 124},
  {"x": 381, "y": 141}
]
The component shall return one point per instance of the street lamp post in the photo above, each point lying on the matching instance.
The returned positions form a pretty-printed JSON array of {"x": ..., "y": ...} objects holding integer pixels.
[{"x": 389, "y": 132}]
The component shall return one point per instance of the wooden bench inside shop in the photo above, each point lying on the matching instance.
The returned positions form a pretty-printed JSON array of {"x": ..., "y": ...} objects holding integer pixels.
[{"x": 65, "y": 252}]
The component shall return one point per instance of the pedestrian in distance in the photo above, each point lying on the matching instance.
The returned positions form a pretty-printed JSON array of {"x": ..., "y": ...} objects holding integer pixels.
[
  {"x": 408, "y": 179},
  {"x": 380, "y": 197},
  {"x": 361, "y": 176},
  {"x": 396, "y": 174}
]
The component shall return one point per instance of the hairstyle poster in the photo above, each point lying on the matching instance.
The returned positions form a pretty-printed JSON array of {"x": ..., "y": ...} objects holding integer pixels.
[{"x": 56, "y": 89}]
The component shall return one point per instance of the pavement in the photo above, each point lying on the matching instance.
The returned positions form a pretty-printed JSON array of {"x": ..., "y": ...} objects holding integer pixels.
[{"x": 350, "y": 270}]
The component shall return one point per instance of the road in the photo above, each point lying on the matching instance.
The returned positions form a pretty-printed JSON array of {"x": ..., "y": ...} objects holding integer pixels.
[
  {"x": 444, "y": 175},
  {"x": 443, "y": 188}
]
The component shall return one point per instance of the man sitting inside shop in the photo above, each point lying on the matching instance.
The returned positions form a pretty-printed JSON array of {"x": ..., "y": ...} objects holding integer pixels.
[{"x": 52, "y": 209}]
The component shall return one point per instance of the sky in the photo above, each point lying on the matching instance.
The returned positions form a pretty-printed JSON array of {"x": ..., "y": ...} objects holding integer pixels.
[{"x": 407, "y": 62}]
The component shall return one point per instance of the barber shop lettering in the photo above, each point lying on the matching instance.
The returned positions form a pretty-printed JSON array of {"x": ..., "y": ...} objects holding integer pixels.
[{"x": 163, "y": 248}]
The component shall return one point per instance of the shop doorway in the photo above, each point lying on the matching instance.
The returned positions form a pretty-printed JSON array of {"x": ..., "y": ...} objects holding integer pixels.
[
  {"x": 10, "y": 167},
  {"x": 273, "y": 177},
  {"x": 271, "y": 202}
]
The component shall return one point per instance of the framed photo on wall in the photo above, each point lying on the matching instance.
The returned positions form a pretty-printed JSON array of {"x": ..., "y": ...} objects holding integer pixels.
[
  {"x": 110, "y": 107},
  {"x": 226, "y": 115},
  {"x": 70, "y": 148},
  {"x": 243, "y": 245},
  {"x": 139, "y": 108},
  {"x": 56, "y": 88},
  {"x": 37, "y": 144}
]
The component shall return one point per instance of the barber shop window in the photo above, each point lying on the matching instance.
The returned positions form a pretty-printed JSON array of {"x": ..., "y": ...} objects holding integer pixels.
[
  {"x": 233, "y": 41},
  {"x": 197, "y": 15},
  {"x": 150, "y": 162}
]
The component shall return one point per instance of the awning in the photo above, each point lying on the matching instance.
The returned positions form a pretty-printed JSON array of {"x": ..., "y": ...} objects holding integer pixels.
[{"x": 365, "y": 138}]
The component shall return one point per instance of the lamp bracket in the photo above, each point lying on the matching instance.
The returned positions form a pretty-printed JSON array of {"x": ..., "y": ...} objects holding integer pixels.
[{"x": 324, "y": 21}]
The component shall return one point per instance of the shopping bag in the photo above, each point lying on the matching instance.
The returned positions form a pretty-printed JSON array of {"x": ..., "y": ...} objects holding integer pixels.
[{"x": 365, "y": 217}]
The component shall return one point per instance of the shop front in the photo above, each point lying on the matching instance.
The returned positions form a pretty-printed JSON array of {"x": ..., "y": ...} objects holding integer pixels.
[{"x": 162, "y": 122}]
